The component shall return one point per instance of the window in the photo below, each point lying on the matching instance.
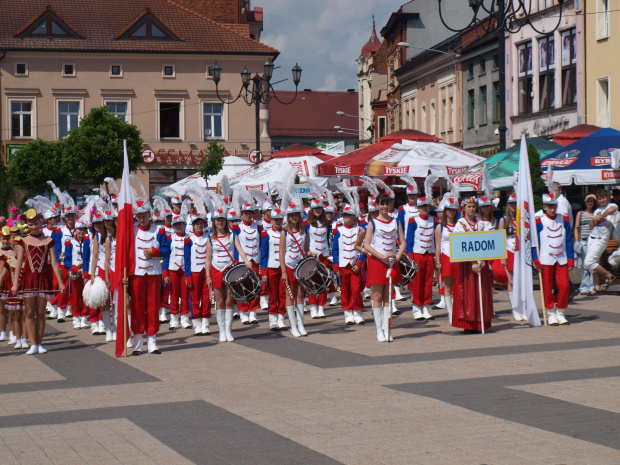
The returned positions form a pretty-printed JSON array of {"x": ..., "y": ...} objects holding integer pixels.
[
  {"x": 116, "y": 70},
  {"x": 210, "y": 72},
  {"x": 569, "y": 67},
  {"x": 444, "y": 107},
  {"x": 602, "y": 102},
  {"x": 118, "y": 109},
  {"x": 483, "y": 66},
  {"x": 381, "y": 126},
  {"x": 21, "y": 120},
  {"x": 148, "y": 27},
  {"x": 21, "y": 69},
  {"x": 212, "y": 117},
  {"x": 471, "y": 109},
  {"x": 546, "y": 80},
  {"x": 433, "y": 118},
  {"x": 424, "y": 117},
  {"x": 168, "y": 71},
  {"x": 470, "y": 71},
  {"x": 526, "y": 91},
  {"x": 169, "y": 120},
  {"x": 451, "y": 113},
  {"x": 68, "y": 118},
  {"x": 495, "y": 62},
  {"x": 482, "y": 107},
  {"x": 68, "y": 69},
  {"x": 602, "y": 19},
  {"x": 49, "y": 26},
  {"x": 496, "y": 102}
]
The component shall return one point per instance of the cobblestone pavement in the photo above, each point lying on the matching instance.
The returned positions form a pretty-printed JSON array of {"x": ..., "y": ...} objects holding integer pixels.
[{"x": 517, "y": 395}]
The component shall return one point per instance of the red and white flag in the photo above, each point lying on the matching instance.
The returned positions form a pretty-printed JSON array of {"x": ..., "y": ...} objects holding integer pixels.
[{"x": 125, "y": 252}]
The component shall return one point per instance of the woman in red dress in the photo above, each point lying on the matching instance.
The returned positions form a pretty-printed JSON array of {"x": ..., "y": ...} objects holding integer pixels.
[{"x": 35, "y": 262}]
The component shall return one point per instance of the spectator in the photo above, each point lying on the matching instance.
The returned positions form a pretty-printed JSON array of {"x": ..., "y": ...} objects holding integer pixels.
[
  {"x": 564, "y": 207},
  {"x": 581, "y": 233},
  {"x": 2, "y": 222},
  {"x": 13, "y": 216}
]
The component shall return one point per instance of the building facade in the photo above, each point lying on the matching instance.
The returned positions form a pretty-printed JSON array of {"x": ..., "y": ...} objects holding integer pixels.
[
  {"x": 149, "y": 64},
  {"x": 545, "y": 74},
  {"x": 370, "y": 77}
]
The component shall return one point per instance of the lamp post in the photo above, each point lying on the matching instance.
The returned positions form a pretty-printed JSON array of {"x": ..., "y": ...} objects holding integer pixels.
[
  {"x": 260, "y": 92},
  {"x": 370, "y": 129},
  {"x": 503, "y": 17}
]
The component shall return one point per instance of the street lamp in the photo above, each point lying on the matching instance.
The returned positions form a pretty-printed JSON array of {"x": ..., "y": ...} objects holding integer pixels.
[
  {"x": 261, "y": 92},
  {"x": 503, "y": 16},
  {"x": 370, "y": 129}
]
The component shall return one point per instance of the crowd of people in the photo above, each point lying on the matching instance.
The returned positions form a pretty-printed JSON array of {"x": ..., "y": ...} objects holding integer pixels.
[{"x": 58, "y": 261}]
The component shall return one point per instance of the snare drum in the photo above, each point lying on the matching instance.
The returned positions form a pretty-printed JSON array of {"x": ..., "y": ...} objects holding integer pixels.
[
  {"x": 313, "y": 275},
  {"x": 243, "y": 283},
  {"x": 408, "y": 269}
]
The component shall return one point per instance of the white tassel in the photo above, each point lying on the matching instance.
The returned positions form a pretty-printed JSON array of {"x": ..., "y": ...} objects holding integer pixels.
[{"x": 95, "y": 295}]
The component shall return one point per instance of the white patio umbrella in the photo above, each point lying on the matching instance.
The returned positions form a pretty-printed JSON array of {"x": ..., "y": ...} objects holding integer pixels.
[{"x": 232, "y": 166}]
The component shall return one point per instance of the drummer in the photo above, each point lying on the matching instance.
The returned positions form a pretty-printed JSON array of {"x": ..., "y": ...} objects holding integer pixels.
[
  {"x": 293, "y": 247},
  {"x": 271, "y": 271},
  {"x": 380, "y": 243},
  {"x": 249, "y": 237},
  {"x": 318, "y": 248}
]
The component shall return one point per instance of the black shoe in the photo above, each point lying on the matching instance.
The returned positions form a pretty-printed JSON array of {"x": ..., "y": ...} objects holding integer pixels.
[
  {"x": 156, "y": 352},
  {"x": 397, "y": 312},
  {"x": 350, "y": 323},
  {"x": 255, "y": 322},
  {"x": 245, "y": 323},
  {"x": 136, "y": 352}
]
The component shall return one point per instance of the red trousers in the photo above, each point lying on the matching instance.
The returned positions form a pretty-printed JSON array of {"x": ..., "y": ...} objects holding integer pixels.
[
  {"x": 421, "y": 285},
  {"x": 201, "y": 299},
  {"x": 62, "y": 298},
  {"x": 351, "y": 287},
  {"x": 145, "y": 303},
  {"x": 94, "y": 314},
  {"x": 277, "y": 291},
  {"x": 77, "y": 301},
  {"x": 560, "y": 273},
  {"x": 165, "y": 298},
  {"x": 252, "y": 304},
  {"x": 178, "y": 291}
]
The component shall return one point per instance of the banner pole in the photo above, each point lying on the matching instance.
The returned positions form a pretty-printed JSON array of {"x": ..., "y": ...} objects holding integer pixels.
[
  {"x": 389, "y": 331},
  {"x": 480, "y": 296},
  {"x": 542, "y": 293},
  {"x": 125, "y": 309}
]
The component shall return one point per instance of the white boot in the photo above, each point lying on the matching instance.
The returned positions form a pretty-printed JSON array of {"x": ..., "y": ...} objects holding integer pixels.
[
  {"x": 321, "y": 312},
  {"x": 348, "y": 317},
  {"x": 244, "y": 318},
  {"x": 264, "y": 302},
  {"x": 252, "y": 316},
  {"x": 185, "y": 323},
  {"x": 378, "y": 315},
  {"x": 235, "y": 312},
  {"x": 442, "y": 302},
  {"x": 205, "y": 326},
  {"x": 174, "y": 321},
  {"x": 427, "y": 315},
  {"x": 559, "y": 314},
  {"x": 3, "y": 336},
  {"x": 68, "y": 312},
  {"x": 34, "y": 349},
  {"x": 53, "y": 312},
  {"x": 552, "y": 320},
  {"x": 229, "y": 321},
  {"x": 137, "y": 344},
  {"x": 101, "y": 326},
  {"x": 449, "y": 303},
  {"x": 281, "y": 321},
  {"x": 48, "y": 307},
  {"x": 25, "y": 344},
  {"x": 357, "y": 318},
  {"x": 152, "y": 345},
  {"x": 332, "y": 299},
  {"x": 366, "y": 293},
  {"x": 220, "y": 316},
  {"x": 94, "y": 327},
  {"x": 18, "y": 344},
  {"x": 273, "y": 322},
  {"x": 76, "y": 322},
  {"x": 395, "y": 311},
  {"x": 12, "y": 338},
  {"x": 292, "y": 319},
  {"x": 417, "y": 313},
  {"x": 398, "y": 295},
  {"x": 197, "y": 325},
  {"x": 84, "y": 322},
  {"x": 300, "y": 320},
  {"x": 163, "y": 318},
  {"x": 41, "y": 349},
  {"x": 61, "y": 315},
  {"x": 386, "y": 322},
  {"x": 313, "y": 312},
  {"x": 107, "y": 325}
]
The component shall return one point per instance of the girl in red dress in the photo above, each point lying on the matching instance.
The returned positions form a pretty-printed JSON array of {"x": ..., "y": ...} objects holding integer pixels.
[
  {"x": 9, "y": 302},
  {"x": 442, "y": 251},
  {"x": 33, "y": 278}
]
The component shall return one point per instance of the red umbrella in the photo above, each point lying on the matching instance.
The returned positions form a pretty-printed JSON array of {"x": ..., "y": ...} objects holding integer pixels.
[
  {"x": 574, "y": 134},
  {"x": 296, "y": 150}
]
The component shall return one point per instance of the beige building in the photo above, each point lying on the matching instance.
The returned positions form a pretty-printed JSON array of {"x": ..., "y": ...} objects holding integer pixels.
[{"x": 148, "y": 60}]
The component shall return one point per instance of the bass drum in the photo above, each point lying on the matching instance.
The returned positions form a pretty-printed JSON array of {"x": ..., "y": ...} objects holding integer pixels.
[
  {"x": 313, "y": 275},
  {"x": 408, "y": 269},
  {"x": 243, "y": 283}
]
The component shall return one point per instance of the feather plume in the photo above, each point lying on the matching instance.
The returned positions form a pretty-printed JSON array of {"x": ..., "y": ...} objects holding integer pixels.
[
  {"x": 225, "y": 186},
  {"x": 314, "y": 187},
  {"x": 409, "y": 180},
  {"x": 515, "y": 180},
  {"x": 330, "y": 198},
  {"x": 288, "y": 187},
  {"x": 159, "y": 203},
  {"x": 135, "y": 179},
  {"x": 448, "y": 183},
  {"x": 259, "y": 196},
  {"x": 244, "y": 196},
  {"x": 68, "y": 201},
  {"x": 103, "y": 194},
  {"x": 550, "y": 179},
  {"x": 347, "y": 193},
  {"x": 57, "y": 191},
  {"x": 185, "y": 205},
  {"x": 38, "y": 206},
  {"x": 196, "y": 192},
  {"x": 91, "y": 203},
  {"x": 112, "y": 185},
  {"x": 277, "y": 186},
  {"x": 170, "y": 192},
  {"x": 485, "y": 182},
  {"x": 369, "y": 185},
  {"x": 456, "y": 190},
  {"x": 380, "y": 184},
  {"x": 235, "y": 203},
  {"x": 216, "y": 200},
  {"x": 428, "y": 185},
  {"x": 356, "y": 199},
  {"x": 45, "y": 202}
]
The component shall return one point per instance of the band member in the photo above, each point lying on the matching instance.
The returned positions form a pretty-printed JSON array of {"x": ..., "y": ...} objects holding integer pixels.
[
  {"x": 293, "y": 248},
  {"x": 509, "y": 223},
  {"x": 265, "y": 224},
  {"x": 63, "y": 300},
  {"x": 485, "y": 204},
  {"x": 556, "y": 259},
  {"x": 348, "y": 264},
  {"x": 380, "y": 243},
  {"x": 318, "y": 248},
  {"x": 36, "y": 258},
  {"x": 174, "y": 275},
  {"x": 96, "y": 269},
  {"x": 373, "y": 212},
  {"x": 220, "y": 249},
  {"x": 442, "y": 252},
  {"x": 77, "y": 267},
  {"x": 145, "y": 283},
  {"x": 11, "y": 304},
  {"x": 109, "y": 265},
  {"x": 272, "y": 272},
  {"x": 249, "y": 233},
  {"x": 51, "y": 229},
  {"x": 195, "y": 259},
  {"x": 420, "y": 239},
  {"x": 159, "y": 220},
  {"x": 466, "y": 313}
]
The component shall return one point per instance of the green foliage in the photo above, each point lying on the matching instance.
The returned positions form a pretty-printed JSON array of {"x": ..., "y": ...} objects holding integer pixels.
[
  {"x": 6, "y": 190},
  {"x": 94, "y": 150},
  {"x": 37, "y": 162},
  {"x": 538, "y": 185},
  {"x": 214, "y": 161}
]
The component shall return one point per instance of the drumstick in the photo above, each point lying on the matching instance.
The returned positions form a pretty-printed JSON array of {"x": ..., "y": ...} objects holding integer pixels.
[
  {"x": 508, "y": 274},
  {"x": 290, "y": 293}
]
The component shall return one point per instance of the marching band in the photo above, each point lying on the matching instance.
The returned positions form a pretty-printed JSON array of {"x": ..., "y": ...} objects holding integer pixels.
[{"x": 252, "y": 251}]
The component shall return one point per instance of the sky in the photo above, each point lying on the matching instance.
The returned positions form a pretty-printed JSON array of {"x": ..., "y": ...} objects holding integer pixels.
[{"x": 324, "y": 36}]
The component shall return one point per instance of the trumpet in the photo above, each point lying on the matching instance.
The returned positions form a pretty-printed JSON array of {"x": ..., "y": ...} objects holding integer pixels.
[{"x": 76, "y": 275}]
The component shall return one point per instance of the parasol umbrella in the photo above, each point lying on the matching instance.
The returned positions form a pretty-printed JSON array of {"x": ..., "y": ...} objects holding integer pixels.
[
  {"x": 232, "y": 165},
  {"x": 574, "y": 134}
]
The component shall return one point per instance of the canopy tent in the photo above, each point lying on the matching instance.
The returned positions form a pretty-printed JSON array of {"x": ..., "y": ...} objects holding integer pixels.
[
  {"x": 232, "y": 166},
  {"x": 574, "y": 134},
  {"x": 586, "y": 162},
  {"x": 501, "y": 166},
  {"x": 296, "y": 150},
  {"x": 354, "y": 163},
  {"x": 264, "y": 174}
]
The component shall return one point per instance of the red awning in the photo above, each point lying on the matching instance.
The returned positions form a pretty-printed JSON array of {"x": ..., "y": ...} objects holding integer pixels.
[
  {"x": 296, "y": 150},
  {"x": 574, "y": 134},
  {"x": 409, "y": 134}
]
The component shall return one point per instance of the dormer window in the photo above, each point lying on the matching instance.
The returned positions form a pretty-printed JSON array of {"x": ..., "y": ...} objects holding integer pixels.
[
  {"x": 147, "y": 27},
  {"x": 48, "y": 25}
]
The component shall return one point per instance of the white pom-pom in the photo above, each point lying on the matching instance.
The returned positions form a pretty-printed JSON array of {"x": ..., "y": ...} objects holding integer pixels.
[
  {"x": 86, "y": 293},
  {"x": 614, "y": 259},
  {"x": 97, "y": 295}
]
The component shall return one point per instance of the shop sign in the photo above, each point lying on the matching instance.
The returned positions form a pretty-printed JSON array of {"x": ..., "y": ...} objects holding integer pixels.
[
  {"x": 173, "y": 157},
  {"x": 542, "y": 126}
]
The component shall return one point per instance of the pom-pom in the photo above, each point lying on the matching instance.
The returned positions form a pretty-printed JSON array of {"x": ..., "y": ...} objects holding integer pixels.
[{"x": 95, "y": 295}]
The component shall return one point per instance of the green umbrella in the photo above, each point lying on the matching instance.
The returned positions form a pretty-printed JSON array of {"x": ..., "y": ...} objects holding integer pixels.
[{"x": 502, "y": 166}]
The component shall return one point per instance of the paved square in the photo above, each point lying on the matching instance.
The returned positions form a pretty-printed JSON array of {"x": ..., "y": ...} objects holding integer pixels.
[{"x": 517, "y": 395}]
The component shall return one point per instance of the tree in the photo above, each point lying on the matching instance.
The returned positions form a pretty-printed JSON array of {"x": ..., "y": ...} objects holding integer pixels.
[
  {"x": 538, "y": 185},
  {"x": 213, "y": 162},
  {"x": 94, "y": 150},
  {"x": 6, "y": 190},
  {"x": 36, "y": 163}
]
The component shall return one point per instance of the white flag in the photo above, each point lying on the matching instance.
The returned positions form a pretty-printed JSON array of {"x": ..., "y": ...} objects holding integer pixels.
[{"x": 526, "y": 238}]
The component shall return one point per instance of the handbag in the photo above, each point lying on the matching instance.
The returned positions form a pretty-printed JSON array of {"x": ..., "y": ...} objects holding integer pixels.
[{"x": 578, "y": 248}]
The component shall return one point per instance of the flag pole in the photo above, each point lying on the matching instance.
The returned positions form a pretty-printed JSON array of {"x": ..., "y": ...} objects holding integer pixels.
[
  {"x": 542, "y": 293},
  {"x": 480, "y": 295},
  {"x": 125, "y": 308}
]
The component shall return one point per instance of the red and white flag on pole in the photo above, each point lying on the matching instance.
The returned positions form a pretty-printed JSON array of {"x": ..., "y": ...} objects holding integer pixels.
[{"x": 125, "y": 252}]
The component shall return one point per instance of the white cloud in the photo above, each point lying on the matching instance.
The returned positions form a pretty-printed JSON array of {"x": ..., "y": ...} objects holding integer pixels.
[{"x": 331, "y": 83}]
